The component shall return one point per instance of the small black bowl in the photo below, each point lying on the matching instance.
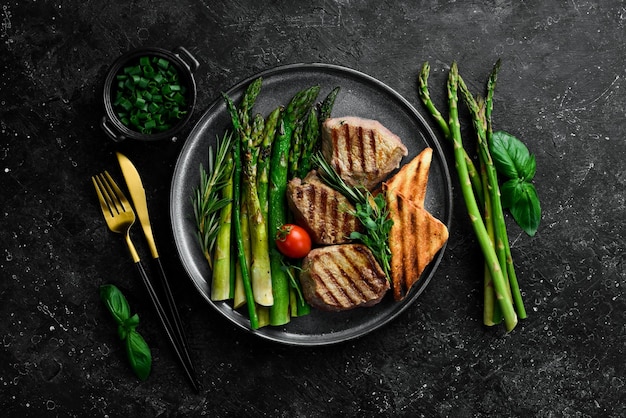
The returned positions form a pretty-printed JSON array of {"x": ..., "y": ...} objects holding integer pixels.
[{"x": 185, "y": 64}]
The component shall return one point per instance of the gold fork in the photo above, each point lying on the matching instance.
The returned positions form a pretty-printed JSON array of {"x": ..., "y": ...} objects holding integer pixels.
[
  {"x": 117, "y": 211},
  {"x": 120, "y": 217}
]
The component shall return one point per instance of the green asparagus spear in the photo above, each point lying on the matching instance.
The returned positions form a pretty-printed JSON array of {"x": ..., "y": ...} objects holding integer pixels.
[
  {"x": 512, "y": 276},
  {"x": 239, "y": 297},
  {"x": 264, "y": 146},
  {"x": 313, "y": 131},
  {"x": 244, "y": 111},
  {"x": 327, "y": 105},
  {"x": 296, "y": 149},
  {"x": 260, "y": 272},
  {"x": 269, "y": 132},
  {"x": 445, "y": 129},
  {"x": 220, "y": 281},
  {"x": 297, "y": 107},
  {"x": 500, "y": 286},
  {"x": 311, "y": 142},
  {"x": 264, "y": 315},
  {"x": 491, "y": 313},
  {"x": 254, "y": 320}
]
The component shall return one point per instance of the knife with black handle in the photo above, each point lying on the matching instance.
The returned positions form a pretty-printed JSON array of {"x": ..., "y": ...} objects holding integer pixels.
[{"x": 138, "y": 195}]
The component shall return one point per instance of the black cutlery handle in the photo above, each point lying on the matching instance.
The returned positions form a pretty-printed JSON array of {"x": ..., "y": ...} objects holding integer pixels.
[
  {"x": 167, "y": 325},
  {"x": 173, "y": 310}
]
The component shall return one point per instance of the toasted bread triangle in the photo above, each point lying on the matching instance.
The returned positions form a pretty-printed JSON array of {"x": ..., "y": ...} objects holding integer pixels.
[
  {"x": 415, "y": 238},
  {"x": 411, "y": 180}
]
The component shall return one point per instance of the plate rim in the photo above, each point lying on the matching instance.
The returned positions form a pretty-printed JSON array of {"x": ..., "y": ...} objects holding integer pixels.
[{"x": 274, "y": 333}]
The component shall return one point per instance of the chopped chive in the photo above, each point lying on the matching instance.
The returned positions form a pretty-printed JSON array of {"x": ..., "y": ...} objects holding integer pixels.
[
  {"x": 163, "y": 63},
  {"x": 135, "y": 69},
  {"x": 143, "y": 82},
  {"x": 140, "y": 103},
  {"x": 150, "y": 124},
  {"x": 149, "y": 97},
  {"x": 125, "y": 104},
  {"x": 148, "y": 71},
  {"x": 179, "y": 98}
]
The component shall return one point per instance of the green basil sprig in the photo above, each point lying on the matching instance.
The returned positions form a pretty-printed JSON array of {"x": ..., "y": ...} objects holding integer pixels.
[
  {"x": 138, "y": 351},
  {"x": 514, "y": 162}
]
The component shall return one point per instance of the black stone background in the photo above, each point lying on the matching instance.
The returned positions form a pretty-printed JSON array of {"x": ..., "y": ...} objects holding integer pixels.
[{"x": 560, "y": 90}]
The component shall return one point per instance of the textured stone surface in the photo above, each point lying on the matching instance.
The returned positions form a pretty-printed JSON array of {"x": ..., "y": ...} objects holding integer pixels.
[{"x": 560, "y": 90}]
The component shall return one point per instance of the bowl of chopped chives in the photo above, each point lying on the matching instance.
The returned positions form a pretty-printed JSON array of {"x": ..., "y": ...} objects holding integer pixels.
[{"x": 149, "y": 94}]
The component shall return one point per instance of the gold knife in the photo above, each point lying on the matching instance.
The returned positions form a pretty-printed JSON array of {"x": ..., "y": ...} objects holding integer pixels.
[{"x": 138, "y": 195}]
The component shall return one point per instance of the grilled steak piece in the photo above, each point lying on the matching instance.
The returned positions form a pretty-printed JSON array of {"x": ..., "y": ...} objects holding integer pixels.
[
  {"x": 324, "y": 212},
  {"x": 342, "y": 277},
  {"x": 362, "y": 151}
]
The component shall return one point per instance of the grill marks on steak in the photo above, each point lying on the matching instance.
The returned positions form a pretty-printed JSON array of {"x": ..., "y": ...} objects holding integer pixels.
[
  {"x": 362, "y": 151},
  {"x": 324, "y": 212},
  {"x": 359, "y": 143},
  {"x": 342, "y": 277}
]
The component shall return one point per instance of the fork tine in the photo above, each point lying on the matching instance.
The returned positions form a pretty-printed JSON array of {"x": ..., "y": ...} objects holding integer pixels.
[
  {"x": 104, "y": 204},
  {"x": 109, "y": 194},
  {"x": 117, "y": 193}
]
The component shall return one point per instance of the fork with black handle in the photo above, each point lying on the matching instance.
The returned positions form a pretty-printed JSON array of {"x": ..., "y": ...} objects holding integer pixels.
[{"x": 120, "y": 217}]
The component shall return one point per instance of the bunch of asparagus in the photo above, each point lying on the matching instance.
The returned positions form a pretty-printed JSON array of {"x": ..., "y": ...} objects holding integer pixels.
[
  {"x": 251, "y": 173},
  {"x": 480, "y": 189}
]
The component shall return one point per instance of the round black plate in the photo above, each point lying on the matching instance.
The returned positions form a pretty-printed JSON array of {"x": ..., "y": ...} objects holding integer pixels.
[{"x": 360, "y": 95}]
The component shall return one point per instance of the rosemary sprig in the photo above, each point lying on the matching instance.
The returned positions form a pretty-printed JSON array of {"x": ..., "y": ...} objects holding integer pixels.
[
  {"x": 374, "y": 216},
  {"x": 370, "y": 210},
  {"x": 207, "y": 200}
]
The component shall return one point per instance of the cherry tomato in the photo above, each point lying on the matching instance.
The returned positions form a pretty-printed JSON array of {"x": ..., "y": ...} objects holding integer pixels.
[{"x": 293, "y": 241}]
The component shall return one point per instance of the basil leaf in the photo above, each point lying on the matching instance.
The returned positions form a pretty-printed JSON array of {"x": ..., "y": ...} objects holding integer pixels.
[
  {"x": 132, "y": 322},
  {"x": 139, "y": 354},
  {"x": 127, "y": 326},
  {"x": 527, "y": 210},
  {"x": 115, "y": 302},
  {"x": 137, "y": 349},
  {"x": 511, "y": 157},
  {"x": 122, "y": 332},
  {"x": 511, "y": 192}
]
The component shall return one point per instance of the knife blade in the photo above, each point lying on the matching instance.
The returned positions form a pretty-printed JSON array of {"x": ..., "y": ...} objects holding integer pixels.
[{"x": 138, "y": 196}]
